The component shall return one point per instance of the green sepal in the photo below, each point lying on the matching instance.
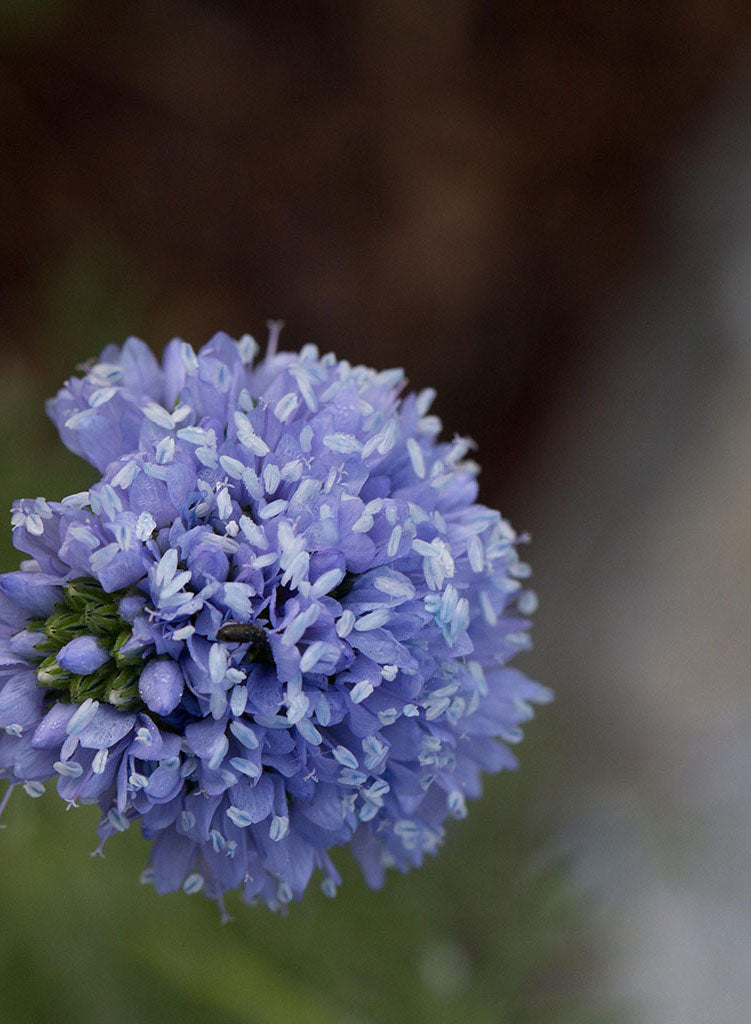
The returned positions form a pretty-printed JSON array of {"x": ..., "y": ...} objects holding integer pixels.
[
  {"x": 62, "y": 627},
  {"x": 46, "y": 645},
  {"x": 123, "y": 690},
  {"x": 131, "y": 657},
  {"x": 80, "y": 593},
  {"x": 92, "y": 685},
  {"x": 102, "y": 620},
  {"x": 52, "y": 675}
]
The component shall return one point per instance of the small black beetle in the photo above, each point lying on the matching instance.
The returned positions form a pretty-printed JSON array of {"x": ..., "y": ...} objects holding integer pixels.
[{"x": 242, "y": 633}]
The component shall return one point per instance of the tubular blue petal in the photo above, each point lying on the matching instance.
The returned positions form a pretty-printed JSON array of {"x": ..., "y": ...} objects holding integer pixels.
[{"x": 160, "y": 685}]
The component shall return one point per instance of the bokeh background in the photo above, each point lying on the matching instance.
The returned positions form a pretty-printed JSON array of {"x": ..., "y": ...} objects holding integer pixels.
[{"x": 544, "y": 211}]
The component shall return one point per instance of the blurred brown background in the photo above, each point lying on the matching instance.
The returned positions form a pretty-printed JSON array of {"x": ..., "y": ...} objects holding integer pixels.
[
  {"x": 542, "y": 210},
  {"x": 448, "y": 185}
]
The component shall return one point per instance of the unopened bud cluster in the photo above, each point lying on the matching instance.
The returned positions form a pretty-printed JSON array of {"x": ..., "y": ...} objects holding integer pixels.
[{"x": 83, "y": 644}]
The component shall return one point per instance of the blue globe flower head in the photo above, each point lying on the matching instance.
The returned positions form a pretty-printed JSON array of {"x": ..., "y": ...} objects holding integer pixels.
[{"x": 279, "y": 623}]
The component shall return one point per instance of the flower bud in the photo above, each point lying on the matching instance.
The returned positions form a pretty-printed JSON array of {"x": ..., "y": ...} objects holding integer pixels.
[
  {"x": 161, "y": 685},
  {"x": 83, "y": 655}
]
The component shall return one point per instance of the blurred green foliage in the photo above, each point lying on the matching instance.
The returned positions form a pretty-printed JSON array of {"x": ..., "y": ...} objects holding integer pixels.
[{"x": 487, "y": 932}]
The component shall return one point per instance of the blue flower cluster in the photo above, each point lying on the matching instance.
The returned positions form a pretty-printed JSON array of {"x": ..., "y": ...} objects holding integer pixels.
[{"x": 277, "y": 624}]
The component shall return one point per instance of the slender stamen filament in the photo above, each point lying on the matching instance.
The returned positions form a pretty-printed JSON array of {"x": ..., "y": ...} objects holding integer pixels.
[{"x": 5, "y": 798}]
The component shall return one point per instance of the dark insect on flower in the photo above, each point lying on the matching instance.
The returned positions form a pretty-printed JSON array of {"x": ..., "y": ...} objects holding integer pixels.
[
  {"x": 279, "y": 622},
  {"x": 247, "y": 633},
  {"x": 242, "y": 633}
]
